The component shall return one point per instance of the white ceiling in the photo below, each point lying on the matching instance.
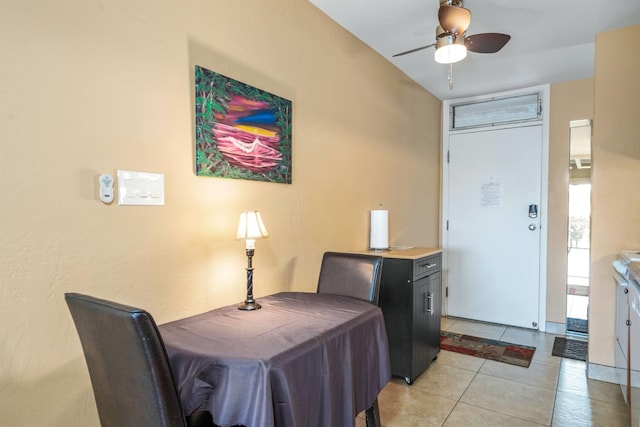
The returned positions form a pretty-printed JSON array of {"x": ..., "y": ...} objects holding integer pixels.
[{"x": 551, "y": 41}]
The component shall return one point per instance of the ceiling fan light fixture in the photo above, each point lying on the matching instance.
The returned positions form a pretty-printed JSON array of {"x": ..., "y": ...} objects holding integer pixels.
[{"x": 450, "y": 49}]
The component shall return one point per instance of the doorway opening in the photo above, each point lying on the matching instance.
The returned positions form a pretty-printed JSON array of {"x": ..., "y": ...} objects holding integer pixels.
[{"x": 579, "y": 226}]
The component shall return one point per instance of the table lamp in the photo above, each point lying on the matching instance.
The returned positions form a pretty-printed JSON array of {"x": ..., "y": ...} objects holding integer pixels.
[{"x": 250, "y": 228}]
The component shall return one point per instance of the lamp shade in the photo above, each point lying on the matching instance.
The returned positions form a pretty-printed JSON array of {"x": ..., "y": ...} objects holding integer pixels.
[{"x": 251, "y": 226}]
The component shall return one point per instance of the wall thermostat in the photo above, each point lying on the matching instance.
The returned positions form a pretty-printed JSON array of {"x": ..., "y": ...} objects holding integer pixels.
[{"x": 106, "y": 188}]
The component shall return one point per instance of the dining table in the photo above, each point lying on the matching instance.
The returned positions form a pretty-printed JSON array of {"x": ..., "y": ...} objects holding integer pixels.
[{"x": 303, "y": 359}]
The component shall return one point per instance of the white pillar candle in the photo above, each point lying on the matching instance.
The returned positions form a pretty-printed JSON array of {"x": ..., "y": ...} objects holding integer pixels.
[{"x": 379, "y": 237}]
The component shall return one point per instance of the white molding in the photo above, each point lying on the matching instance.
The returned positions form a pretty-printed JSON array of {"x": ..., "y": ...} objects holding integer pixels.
[
  {"x": 556, "y": 328},
  {"x": 602, "y": 373}
]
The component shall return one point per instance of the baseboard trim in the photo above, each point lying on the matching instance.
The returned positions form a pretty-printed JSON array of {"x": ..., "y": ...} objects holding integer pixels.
[
  {"x": 556, "y": 328},
  {"x": 602, "y": 373}
]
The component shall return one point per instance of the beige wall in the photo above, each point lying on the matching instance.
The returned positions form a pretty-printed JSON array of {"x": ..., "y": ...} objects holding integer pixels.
[
  {"x": 615, "y": 213},
  {"x": 92, "y": 87},
  {"x": 569, "y": 101}
]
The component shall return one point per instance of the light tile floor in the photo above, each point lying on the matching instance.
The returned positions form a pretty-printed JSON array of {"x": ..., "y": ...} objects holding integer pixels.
[{"x": 460, "y": 390}]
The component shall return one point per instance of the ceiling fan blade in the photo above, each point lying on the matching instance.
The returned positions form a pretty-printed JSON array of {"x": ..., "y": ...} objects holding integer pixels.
[
  {"x": 454, "y": 19},
  {"x": 486, "y": 42},
  {"x": 414, "y": 50}
]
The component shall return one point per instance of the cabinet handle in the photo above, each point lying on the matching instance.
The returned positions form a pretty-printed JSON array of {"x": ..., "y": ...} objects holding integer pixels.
[
  {"x": 429, "y": 309},
  {"x": 426, "y": 264}
]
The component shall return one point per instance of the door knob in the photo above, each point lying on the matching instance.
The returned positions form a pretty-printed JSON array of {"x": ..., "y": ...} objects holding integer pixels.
[{"x": 532, "y": 227}]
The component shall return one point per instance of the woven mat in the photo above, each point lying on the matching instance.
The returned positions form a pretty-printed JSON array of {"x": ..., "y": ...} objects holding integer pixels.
[
  {"x": 571, "y": 349},
  {"x": 577, "y": 325}
]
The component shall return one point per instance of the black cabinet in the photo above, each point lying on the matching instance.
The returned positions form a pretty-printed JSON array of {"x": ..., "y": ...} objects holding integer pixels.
[{"x": 410, "y": 299}]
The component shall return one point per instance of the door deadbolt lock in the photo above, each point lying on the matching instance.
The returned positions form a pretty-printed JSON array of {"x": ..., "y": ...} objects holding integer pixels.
[{"x": 532, "y": 227}]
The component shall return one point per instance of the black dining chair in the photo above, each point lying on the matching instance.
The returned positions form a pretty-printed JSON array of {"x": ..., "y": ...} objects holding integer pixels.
[
  {"x": 353, "y": 275},
  {"x": 128, "y": 365},
  {"x": 358, "y": 276}
]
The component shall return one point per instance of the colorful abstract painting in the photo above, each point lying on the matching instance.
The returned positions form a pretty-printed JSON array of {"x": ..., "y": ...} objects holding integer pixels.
[{"x": 242, "y": 132}]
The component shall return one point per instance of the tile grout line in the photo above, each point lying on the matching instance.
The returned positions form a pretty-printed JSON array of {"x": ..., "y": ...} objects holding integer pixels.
[
  {"x": 555, "y": 395},
  {"x": 542, "y": 345},
  {"x": 462, "y": 394}
]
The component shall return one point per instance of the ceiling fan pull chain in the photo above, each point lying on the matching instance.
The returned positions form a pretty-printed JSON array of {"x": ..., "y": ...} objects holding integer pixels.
[{"x": 450, "y": 76}]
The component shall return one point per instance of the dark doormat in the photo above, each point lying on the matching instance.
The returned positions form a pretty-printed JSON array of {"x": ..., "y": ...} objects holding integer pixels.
[
  {"x": 571, "y": 349},
  {"x": 577, "y": 325}
]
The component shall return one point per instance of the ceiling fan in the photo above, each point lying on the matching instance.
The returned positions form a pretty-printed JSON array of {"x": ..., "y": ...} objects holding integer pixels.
[{"x": 452, "y": 42}]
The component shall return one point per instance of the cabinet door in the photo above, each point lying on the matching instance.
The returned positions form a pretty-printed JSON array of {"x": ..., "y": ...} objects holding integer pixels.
[
  {"x": 634, "y": 351},
  {"x": 435, "y": 312},
  {"x": 422, "y": 303},
  {"x": 622, "y": 339},
  {"x": 396, "y": 302}
]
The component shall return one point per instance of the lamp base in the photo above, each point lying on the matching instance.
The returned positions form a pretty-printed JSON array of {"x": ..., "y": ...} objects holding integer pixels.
[{"x": 249, "y": 305}]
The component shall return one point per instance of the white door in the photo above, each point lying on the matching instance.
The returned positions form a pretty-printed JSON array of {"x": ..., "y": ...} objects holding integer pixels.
[{"x": 493, "y": 239}]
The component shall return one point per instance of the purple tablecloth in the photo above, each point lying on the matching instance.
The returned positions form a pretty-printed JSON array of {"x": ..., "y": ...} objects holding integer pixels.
[{"x": 304, "y": 359}]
